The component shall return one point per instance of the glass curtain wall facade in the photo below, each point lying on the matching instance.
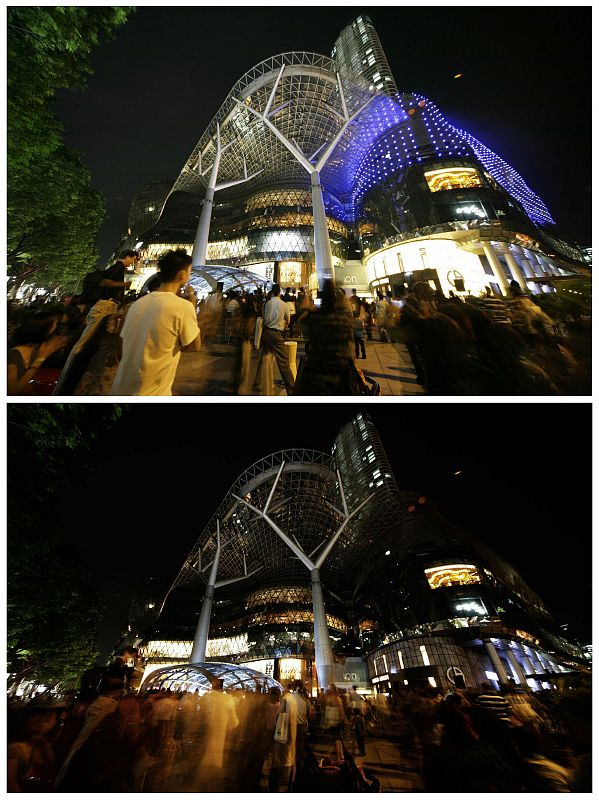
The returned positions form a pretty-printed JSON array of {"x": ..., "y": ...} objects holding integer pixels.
[
  {"x": 410, "y": 599},
  {"x": 415, "y": 197}
]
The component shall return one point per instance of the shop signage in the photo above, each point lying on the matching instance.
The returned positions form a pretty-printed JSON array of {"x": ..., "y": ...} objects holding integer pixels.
[{"x": 453, "y": 673}]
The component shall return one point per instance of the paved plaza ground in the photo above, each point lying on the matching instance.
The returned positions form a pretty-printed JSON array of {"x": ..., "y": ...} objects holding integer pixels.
[
  {"x": 397, "y": 769},
  {"x": 210, "y": 371}
]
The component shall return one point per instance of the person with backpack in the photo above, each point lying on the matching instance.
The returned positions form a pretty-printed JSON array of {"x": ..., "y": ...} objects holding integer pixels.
[
  {"x": 108, "y": 284},
  {"x": 102, "y": 293}
]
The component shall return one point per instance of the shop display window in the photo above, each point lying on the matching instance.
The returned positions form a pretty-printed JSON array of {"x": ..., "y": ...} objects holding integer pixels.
[
  {"x": 453, "y": 178},
  {"x": 452, "y": 575}
]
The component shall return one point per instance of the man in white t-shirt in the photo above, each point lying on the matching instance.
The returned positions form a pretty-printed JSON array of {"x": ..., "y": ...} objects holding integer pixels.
[
  {"x": 157, "y": 328},
  {"x": 275, "y": 318}
]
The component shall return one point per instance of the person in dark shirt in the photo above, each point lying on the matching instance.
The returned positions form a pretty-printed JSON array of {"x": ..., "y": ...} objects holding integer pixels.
[
  {"x": 329, "y": 367},
  {"x": 113, "y": 283}
]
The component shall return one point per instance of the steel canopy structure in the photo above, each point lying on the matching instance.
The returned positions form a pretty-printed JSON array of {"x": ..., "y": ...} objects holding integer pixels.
[
  {"x": 307, "y": 108},
  {"x": 288, "y": 513},
  {"x": 307, "y": 503},
  {"x": 284, "y": 118},
  {"x": 316, "y": 160}
]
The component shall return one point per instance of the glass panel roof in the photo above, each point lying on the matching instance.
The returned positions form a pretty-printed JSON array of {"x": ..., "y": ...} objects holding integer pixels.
[{"x": 197, "y": 678}]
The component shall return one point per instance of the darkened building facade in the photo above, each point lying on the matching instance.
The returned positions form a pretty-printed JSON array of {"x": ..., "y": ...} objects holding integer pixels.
[{"x": 411, "y": 599}]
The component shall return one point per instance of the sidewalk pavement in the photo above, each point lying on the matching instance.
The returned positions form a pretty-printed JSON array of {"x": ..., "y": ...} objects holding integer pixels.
[
  {"x": 399, "y": 769},
  {"x": 210, "y": 371}
]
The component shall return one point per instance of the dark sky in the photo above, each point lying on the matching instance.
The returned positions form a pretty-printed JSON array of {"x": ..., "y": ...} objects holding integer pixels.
[
  {"x": 525, "y": 90},
  {"x": 161, "y": 473}
]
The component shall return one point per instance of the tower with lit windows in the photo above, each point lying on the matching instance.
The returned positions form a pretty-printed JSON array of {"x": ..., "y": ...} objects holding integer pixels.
[{"x": 359, "y": 48}]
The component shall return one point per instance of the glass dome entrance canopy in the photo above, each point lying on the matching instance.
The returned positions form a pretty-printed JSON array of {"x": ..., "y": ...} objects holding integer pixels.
[{"x": 199, "y": 678}]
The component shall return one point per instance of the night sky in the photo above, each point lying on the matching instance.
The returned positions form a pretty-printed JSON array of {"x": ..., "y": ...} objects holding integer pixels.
[
  {"x": 162, "y": 471},
  {"x": 525, "y": 90}
]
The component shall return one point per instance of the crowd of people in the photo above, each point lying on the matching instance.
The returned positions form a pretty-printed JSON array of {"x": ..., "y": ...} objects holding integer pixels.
[
  {"x": 118, "y": 740},
  {"x": 108, "y": 341}
]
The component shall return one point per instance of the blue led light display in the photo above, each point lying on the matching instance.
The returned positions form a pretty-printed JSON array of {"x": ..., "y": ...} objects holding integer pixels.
[{"x": 395, "y": 133}]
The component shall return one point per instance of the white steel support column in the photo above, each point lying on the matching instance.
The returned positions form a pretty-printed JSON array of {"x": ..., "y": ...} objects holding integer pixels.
[
  {"x": 515, "y": 269},
  {"x": 528, "y": 665},
  {"x": 498, "y": 270},
  {"x": 539, "y": 660},
  {"x": 322, "y": 643},
  {"x": 200, "y": 640},
  {"x": 200, "y": 245},
  {"x": 322, "y": 244},
  {"x": 544, "y": 267},
  {"x": 519, "y": 672},
  {"x": 497, "y": 663},
  {"x": 534, "y": 263}
]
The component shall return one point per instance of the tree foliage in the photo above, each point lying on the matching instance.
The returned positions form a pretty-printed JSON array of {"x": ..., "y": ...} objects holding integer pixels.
[
  {"x": 54, "y": 610},
  {"x": 54, "y": 214}
]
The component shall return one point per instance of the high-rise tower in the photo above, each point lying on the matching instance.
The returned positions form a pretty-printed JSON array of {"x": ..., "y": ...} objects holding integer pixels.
[{"x": 359, "y": 48}]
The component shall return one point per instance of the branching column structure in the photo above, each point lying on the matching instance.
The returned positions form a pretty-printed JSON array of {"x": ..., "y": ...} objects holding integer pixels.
[
  {"x": 322, "y": 642},
  {"x": 200, "y": 641},
  {"x": 322, "y": 244},
  {"x": 200, "y": 245}
]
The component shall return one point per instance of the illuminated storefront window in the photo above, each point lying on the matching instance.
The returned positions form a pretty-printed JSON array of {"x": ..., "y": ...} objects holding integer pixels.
[
  {"x": 452, "y": 178},
  {"x": 470, "y": 607},
  {"x": 294, "y": 617},
  {"x": 279, "y": 594},
  {"x": 452, "y": 575},
  {"x": 227, "y": 646},
  {"x": 265, "y": 665},
  {"x": 290, "y": 273},
  {"x": 444, "y": 255},
  {"x": 290, "y": 669},
  {"x": 527, "y": 636}
]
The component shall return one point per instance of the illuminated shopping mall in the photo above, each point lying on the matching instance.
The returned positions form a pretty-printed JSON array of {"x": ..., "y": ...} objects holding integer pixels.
[
  {"x": 316, "y": 566},
  {"x": 317, "y": 167}
]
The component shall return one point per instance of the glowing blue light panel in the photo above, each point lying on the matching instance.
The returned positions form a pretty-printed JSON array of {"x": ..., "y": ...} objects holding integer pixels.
[{"x": 395, "y": 133}]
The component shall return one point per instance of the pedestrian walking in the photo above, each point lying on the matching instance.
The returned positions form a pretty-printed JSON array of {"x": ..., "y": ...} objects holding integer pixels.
[
  {"x": 359, "y": 329},
  {"x": 275, "y": 318}
]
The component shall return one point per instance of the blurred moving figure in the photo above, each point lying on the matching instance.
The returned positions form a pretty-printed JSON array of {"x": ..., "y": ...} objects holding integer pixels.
[
  {"x": 284, "y": 752},
  {"x": 34, "y": 341},
  {"x": 31, "y": 764},
  {"x": 329, "y": 367},
  {"x": 219, "y": 719}
]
